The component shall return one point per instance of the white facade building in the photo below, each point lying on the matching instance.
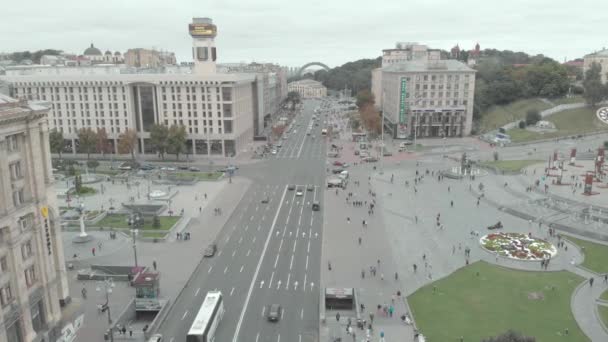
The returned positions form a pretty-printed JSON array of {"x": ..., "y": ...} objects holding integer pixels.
[
  {"x": 217, "y": 110},
  {"x": 601, "y": 58},
  {"x": 33, "y": 278},
  {"x": 308, "y": 88},
  {"x": 426, "y": 98}
]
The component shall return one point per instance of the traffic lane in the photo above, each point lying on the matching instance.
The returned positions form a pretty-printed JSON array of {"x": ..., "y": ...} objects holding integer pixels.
[{"x": 212, "y": 275}]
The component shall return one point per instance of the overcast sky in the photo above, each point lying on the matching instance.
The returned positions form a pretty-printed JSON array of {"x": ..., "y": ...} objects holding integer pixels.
[{"x": 293, "y": 33}]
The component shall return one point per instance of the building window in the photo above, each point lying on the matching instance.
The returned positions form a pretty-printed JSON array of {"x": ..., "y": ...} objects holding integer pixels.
[
  {"x": 3, "y": 264},
  {"x": 26, "y": 250},
  {"x": 30, "y": 276},
  {"x": 15, "y": 170},
  {"x": 18, "y": 197},
  {"x": 6, "y": 295},
  {"x": 12, "y": 143}
]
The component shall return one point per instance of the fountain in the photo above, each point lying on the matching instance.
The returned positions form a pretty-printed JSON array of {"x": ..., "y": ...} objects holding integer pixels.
[
  {"x": 83, "y": 236},
  {"x": 465, "y": 169}
]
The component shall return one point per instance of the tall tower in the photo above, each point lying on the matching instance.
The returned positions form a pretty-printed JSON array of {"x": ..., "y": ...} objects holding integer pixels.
[{"x": 203, "y": 33}]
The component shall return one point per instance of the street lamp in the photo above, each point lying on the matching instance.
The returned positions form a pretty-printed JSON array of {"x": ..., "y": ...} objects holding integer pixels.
[
  {"x": 107, "y": 285},
  {"x": 135, "y": 221}
]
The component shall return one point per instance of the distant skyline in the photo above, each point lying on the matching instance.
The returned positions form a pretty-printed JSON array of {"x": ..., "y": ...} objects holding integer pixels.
[{"x": 332, "y": 32}]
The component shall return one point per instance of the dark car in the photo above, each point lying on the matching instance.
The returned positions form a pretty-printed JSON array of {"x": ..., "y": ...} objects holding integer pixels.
[
  {"x": 274, "y": 313},
  {"x": 370, "y": 159},
  {"x": 182, "y": 167},
  {"x": 146, "y": 167},
  {"x": 291, "y": 187},
  {"x": 266, "y": 200},
  {"x": 316, "y": 206},
  {"x": 337, "y": 171},
  {"x": 210, "y": 250},
  {"x": 310, "y": 187}
]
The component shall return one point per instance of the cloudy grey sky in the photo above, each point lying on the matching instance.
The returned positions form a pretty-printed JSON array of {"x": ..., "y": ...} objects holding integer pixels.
[{"x": 296, "y": 32}]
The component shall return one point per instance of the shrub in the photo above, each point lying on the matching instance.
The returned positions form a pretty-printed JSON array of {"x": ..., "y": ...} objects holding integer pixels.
[
  {"x": 522, "y": 124},
  {"x": 533, "y": 116},
  {"x": 502, "y": 130}
]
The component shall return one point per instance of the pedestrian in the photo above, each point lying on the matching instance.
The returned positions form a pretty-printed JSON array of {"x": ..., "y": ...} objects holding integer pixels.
[
  {"x": 154, "y": 264},
  {"x": 452, "y": 204},
  {"x": 93, "y": 251},
  {"x": 415, "y": 268},
  {"x": 359, "y": 241},
  {"x": 362, "y": 274},
  {"x": 605, "y": 278},
  {"x": 130, "y": 332},
  {"x": 590, "y": 281},
  {"x": 84, "y": 293},
  {"x": 124, "y": 330}
]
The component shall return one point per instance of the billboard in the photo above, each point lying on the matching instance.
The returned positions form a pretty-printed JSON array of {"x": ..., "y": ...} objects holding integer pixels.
[
  {"x": 402, "y": 131},
  {"x": 201, "y": 30}
]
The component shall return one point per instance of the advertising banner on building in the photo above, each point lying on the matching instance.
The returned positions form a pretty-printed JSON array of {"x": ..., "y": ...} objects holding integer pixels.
[
  {"x": 588, "y": 182},
  {"x": 402, "y": 131}
]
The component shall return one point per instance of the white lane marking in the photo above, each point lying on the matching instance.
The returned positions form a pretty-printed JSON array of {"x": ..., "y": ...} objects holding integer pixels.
[
  {"x": 304, "y": 287},
  {"x": 299, "y": 337},
  {"x": 232, "y": 291},
  {"x": 225, "y": 269},
  {"x": 295, "y": 243},
  {"x": 271, "y": 277},
  {"x": 307, "y": 262},
  {"x": 240, "y": 239},
  {"x": 263, "y": 310},
  {"x": 185, "y": 314},
  {"x": 291, "y": 262},
  {"x": 251, "y": 219},
  {"x": 287, "y": 284},
  {"x": 257, "y": 270},
  {"x": 210, "y": 268},
  {"x": 300, "y": 220},
  {"x": 279, "y": 336},
  {"x": 259, "y": 228},
  {"x": 257, "y": 208},
  {"x": 264, "y": 216},
  {"x": 246, "y": 228},
  {"x": 257, "y": 337},
  {"x": 228, "y": 238},
  {"x": 254, "y": 239},
  {"x": 241, "y": 271},
  {"x": 280, "y": 245},
  {"x": 172, "y": 339},
  {"x": 233, "y": 253},
  {"x": 301, "y": 317},
  {"x": 197, "y": 291},
  {"x": 219, "y": 253},
  {"x": 276, "y": 261},
  {"x": 308, "y": 249},
  {"x": 249, "y": 251}
]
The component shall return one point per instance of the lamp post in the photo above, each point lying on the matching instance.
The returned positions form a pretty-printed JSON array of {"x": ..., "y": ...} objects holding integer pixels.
[
  {"x": 135, "y": 221},
  {"x": 106, "y": 285}
]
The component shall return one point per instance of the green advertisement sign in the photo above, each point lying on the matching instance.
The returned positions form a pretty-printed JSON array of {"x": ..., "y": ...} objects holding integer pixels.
[{"x": 402, "y": 104}]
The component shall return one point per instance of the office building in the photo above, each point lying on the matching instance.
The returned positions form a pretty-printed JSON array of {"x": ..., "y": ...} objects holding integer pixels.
[
  {"x": 404, "y": 52},
  {"x": 217, "y": 109},
  {"x": 601, "y": 58},
  {"x": 33, "y": 282},
  {"x": 426, "y": 98},
  {"x": 145, "y": 58},
  {"x": 308, "y": 88}
]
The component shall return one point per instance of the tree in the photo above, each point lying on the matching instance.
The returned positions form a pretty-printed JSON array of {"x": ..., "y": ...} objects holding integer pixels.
[
  {"x": 533, "y": 116},
  {"x": 159, "y": 138},
  {"x": 365, "y": 97},
  {"x": 371, "y": 119},
  {"x": 595, "y": 91},
  {"x": 56, "y": 141},
  {"x": 156, "y": 222},
  {"x": 77, "y": 183},
  {"x": 92, "y": 164},
  {"x": 102, "y": 146},
  {"x": 294, "y": 98},
  {"x": 510, "y": 336},
  {"x": 522, "y": 124},
  {"x": 176, "y": 142},
  {"x": 127, "y": 141},
  {"x": 87, "y": 140}
]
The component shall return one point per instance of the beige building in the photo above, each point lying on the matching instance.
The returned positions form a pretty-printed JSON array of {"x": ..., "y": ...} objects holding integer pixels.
[
  {"x": 308, "y": 88},
  {"x": 145, "y": 58},
  {"x": 218, "y": 110},
  {"x": 33, "y": 278},
  {"x": 404, "y": 52},
  {"x": 426, "y": 98},
  {"x": 601, "y": 58}
]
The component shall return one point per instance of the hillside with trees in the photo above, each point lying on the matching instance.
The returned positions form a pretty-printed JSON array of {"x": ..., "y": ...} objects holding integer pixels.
[{"x": 355, "y": 75}]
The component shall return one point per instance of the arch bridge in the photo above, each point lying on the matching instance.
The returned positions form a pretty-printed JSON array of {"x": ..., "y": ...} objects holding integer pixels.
[{"x": 301, "y": 71}]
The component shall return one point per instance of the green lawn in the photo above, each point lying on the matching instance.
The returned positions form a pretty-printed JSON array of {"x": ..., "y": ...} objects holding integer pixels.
[
  {"x": 604, "y": 295},
  {"x": 603, "y": 310},
  {"x": 496, "y": 300},
  {"x": 159, "y": 235},
  {"x": 510, "y": 165},
  {"x": 568, "y": 100},
  {"x": 596, "y": 255},
  {"x": 120, "y": 221},
  {"x": 569, "y": 122},
  {"x": 202, "y": 176},
  {"x": 498, "y": 116}
]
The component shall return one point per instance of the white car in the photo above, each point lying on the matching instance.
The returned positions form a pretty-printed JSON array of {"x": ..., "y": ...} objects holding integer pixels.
[
  {"x": 299, "y": 192},
  {"x": 273, "y": 151}
]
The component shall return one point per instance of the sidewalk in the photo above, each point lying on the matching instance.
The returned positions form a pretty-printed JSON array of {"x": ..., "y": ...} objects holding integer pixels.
[
  {"x": 176, "y": 260},
  {"x": 351, "y": 259}
]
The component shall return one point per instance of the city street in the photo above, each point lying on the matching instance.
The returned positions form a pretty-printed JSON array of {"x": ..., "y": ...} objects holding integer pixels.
[{"x": 267, "y": 253}]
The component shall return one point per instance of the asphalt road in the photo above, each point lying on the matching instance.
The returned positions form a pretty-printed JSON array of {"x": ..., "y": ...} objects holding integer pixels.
[{"x": 267, "y": 253}]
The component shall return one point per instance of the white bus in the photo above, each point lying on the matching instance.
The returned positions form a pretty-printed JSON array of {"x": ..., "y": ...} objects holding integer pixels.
[{"x": 208, "y": 317}]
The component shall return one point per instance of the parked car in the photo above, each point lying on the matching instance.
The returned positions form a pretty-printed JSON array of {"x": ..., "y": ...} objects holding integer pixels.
[
  {"x": 146, "y": 167},
  {"x": 337, "y": 171},
  {"x": 370, "y": 159},
  {"x": 338, "y": 163},
  {"x": 310, "y": 187},
  {"x": 210, "y": 250},
  {"x": 183, "y": 167},
  {"x": 194, "y": 169}
]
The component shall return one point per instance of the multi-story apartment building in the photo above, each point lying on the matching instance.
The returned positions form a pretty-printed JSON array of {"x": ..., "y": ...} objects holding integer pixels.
[
  {"x": 404, "y": 52},
  {"x": 426, "y": 98},
  {"x": 601, "y": 58},
  {"x": 33, "y": 279},
  {"x": 146, "y": 58},
  {"x": 308, "y": 88},
  {"x": 218, "y": 110}
]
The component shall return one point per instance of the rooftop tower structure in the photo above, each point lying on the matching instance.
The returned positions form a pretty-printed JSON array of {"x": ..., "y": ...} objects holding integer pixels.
[{"x": 203, "y": 33}]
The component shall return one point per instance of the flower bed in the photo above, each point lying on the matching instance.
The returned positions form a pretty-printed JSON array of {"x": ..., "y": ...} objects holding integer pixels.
[{"x": 518, "y": 246}]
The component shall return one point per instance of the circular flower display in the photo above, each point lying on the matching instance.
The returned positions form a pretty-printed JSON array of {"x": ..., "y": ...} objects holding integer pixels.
[
  {"x": 518, "y": 246},
  {"x": 602, "y": 114}
]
